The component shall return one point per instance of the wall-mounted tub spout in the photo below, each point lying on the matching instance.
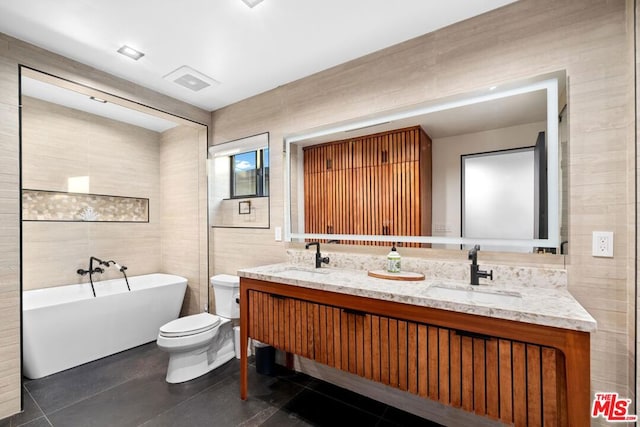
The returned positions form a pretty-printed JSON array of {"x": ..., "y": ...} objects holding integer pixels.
[{"x": 92, "y": 270}]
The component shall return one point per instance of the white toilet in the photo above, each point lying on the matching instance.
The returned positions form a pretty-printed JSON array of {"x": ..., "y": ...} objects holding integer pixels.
[{"x": 201, "y": 342}]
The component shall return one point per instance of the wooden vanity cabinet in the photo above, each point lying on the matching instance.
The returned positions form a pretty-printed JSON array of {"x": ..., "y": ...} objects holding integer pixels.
[
  {"x": 513, "y": 372},
  {"x": 376, "y": 184}
]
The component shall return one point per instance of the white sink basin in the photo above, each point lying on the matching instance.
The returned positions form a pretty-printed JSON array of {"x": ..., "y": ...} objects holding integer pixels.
[{"x": 479, "y": 296}]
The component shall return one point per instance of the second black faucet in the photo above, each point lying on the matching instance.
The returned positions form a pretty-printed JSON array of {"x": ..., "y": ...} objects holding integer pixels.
[
  {"x": 319, "y": 258},
  {"x": 476, "y": 273}
]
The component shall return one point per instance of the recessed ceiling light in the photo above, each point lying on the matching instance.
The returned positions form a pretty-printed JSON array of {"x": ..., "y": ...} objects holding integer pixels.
[
  {"x": 103, "y": 101},
  {"x": 251, "y": 3},
  {"x": 130, "y": 52},
  {"x": 187, "y": 77},
  {"x": 493, "y": 87}
]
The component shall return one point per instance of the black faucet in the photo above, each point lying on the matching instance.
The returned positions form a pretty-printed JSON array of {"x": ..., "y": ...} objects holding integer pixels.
[
  {"x": 92, "y": 270},
  {"x": 476, "y": 273},
  {"x": 319, "y": 258}
]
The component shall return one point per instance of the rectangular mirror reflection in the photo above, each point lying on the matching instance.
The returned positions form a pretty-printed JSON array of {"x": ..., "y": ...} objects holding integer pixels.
[{"x": 397, "y": 176}]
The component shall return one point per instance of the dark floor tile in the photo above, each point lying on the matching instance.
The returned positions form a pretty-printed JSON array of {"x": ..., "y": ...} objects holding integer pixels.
[
  {"x": 283, "y": 418},
  {"x": 64, "y": 388},
  {"x": 276, "y": 391},
  {"x": 30, "y": 412},
  {"x": 396, "y": 417},
  {"x": 298, "y": 378},
  {"x": 39, "y": 422},
  {"x": 137, "y": 400},
  {"x": 350, "y": 398},
  {"x": 312, "y": 408},
  {"x": 219, "y": 405}
]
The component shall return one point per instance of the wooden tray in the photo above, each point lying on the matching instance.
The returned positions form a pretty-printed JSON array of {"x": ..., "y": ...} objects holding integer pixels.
[{"x": 403, "y": 275}]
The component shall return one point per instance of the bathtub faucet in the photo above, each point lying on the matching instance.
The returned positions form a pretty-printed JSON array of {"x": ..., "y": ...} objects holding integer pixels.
[
  {"x": 92, "y": 270},
  {"x": 121, "y": 269}
]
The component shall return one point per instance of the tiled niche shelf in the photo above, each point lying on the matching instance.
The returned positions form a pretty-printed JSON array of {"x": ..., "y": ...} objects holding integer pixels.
[{"x": 43, "y": 205}]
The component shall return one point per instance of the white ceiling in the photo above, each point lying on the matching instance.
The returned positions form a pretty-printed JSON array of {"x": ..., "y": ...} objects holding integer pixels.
[
  {"x": 249, "y": 51},
  {"x": 79, "y": 101}
]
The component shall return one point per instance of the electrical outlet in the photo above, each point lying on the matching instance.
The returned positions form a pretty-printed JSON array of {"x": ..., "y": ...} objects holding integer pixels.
[{"x": 603, "y": 244}]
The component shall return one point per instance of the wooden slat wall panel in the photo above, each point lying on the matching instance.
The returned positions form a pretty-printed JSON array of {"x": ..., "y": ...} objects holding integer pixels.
[
  {"x": 402, "y": 356},
  {"x": 394, "y": 375},
  {"x": 337, "y": 339},
  {"x": 479, "y": 377},
  {"x": 505, "y": 381},
  {"x": 375, "y": 346},
  {"x": 275, "y": 322},
  {"x": 519, "y": 359},
  {"x": 384, "y": 350},
  {"x": 318, "y": 349},
  {"x": 299, "y": 327},
  {"x": 514, "y": 382},
  {"x": 491, "y": 377},
  {"x": 368, "y": 185},
  {"x": 550, "y": 416},
  {"x": 344, "y": 338},
  {"x": 433, "y": 355},
  {"x": 310, "y": 330},
  {"x": 351, "y": 328},
  {"x": 466, "y": 357},
  {"x": 359, "y": 324},
  {"x": 321, "y": 347},
  {"x": 455, "y": 373},
  {"x": 443, "y": 366},
  {"x": 367, "y": 347},
  {"x": 534, "y": 385},
  {"x": 423, "y": 376},
  {"x": 412, "y": 357}
]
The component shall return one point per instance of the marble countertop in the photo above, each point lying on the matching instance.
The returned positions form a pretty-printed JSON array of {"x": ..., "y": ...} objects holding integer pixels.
[{"x": 534, "y": 305}]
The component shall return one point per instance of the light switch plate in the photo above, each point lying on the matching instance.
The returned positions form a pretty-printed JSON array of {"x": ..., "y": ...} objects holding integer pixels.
[
  {"x": 603, "y": 244},
  {"x": 278, "y": 234}
]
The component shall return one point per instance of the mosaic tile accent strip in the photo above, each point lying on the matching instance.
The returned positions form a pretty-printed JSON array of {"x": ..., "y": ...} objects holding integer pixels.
[{"x": 39, "y": 205}]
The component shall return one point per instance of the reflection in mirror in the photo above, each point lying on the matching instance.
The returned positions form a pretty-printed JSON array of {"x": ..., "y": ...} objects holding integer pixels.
[
  {"x": 239, "y": 183},
  {"x": 499, "y": 196},
  {"x": 421, "y": 205}
]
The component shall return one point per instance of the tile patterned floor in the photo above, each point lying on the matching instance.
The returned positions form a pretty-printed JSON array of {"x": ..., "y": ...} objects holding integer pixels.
[{"x": 128, "y": 389}]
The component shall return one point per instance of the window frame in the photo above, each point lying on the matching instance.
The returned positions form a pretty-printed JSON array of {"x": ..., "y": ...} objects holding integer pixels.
[{"x": 261, "y": 171}]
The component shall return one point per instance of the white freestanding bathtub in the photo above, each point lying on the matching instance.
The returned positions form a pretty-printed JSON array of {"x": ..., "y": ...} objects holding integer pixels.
[{"x": 66, "y": 326}]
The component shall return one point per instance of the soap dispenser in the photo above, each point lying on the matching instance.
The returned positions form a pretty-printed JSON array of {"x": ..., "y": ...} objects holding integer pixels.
[{"x": 393, "y": 260}]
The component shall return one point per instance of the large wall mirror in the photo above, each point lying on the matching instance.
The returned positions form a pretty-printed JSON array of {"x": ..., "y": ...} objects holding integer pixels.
[
  {"x": 239, "y": 183},
  {"x": 398, "y": 176}
]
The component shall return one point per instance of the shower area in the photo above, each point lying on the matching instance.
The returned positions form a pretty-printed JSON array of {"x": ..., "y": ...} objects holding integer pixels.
[{"x": 106, "y": 177}]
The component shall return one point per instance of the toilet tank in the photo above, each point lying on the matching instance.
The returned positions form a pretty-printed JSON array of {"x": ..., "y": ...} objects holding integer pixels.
[{"x": 226, "y": 289}]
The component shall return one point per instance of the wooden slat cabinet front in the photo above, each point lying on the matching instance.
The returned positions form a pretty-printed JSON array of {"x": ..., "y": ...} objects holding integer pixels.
[
  {"x": 509, "y": 380},
  {"x": 375, "y": 185}
]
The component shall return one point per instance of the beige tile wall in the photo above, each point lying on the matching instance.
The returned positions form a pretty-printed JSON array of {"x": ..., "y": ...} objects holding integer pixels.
[
  {"x": 120, "y": 160},
  {"x": 12, "y": 53},
  {"x": 591, "y": 40},
  {"x": 182, "y": 165}
]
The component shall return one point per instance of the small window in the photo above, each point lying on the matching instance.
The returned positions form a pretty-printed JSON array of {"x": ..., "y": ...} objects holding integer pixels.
[{"x": 250, "y": 174}]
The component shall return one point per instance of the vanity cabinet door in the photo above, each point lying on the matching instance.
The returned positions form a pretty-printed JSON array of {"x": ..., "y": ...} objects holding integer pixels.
[{"x": 511, "y": 381}]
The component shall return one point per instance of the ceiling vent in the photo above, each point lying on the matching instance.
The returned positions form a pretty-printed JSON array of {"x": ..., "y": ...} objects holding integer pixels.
[
  {"x": 191, "y": 79},
  {"x": 251, "y": 3}
]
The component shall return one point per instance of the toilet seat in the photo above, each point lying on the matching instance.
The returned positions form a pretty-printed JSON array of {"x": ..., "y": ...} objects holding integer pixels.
[{"x": 190, "y": 325}]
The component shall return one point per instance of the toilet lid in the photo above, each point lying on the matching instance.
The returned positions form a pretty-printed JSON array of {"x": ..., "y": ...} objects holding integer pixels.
[{"x": 190, "y": 325}]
